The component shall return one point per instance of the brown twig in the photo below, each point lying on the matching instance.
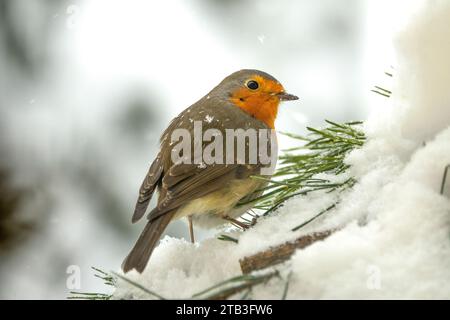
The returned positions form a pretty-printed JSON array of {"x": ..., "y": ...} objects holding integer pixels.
[{"x": 279, "y": 254}]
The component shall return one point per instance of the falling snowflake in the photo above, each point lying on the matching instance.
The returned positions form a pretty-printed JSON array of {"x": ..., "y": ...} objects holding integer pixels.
[
  {"x": 202, "y": 165},
  {"x": 261, "y": 38},
  {"x": 209, "y": 118}
]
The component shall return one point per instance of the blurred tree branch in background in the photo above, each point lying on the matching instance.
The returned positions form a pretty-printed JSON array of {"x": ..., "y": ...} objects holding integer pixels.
[
  {"x": 22, "y": 59},
  {"x": 11, "y": 228}
]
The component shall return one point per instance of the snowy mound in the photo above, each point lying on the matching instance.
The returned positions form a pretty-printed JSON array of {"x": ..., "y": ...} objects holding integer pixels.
[{"x": 393, "y": 238}]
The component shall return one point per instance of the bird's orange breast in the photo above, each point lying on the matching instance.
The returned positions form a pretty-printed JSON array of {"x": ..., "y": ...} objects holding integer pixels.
[{"x": 261, "y": 104}]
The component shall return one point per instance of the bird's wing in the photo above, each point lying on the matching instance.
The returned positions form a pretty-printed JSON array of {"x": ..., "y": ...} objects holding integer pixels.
[
  {"x": 181, "y": 183},
  {"x": 147, "y": 188},
  {"x": 186, "y": 182}
]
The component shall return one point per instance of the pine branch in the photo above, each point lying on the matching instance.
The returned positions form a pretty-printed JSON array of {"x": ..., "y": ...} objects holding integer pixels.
[
  {"x": 232, "y": 286},
  {"x": 279, "y": 254},
  {"x": 108, "y": 279},
  {"x": 322, "y": 153}
]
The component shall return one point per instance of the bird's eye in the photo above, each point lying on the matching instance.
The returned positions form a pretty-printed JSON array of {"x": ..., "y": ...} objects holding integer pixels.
[{"x": 252, "y": 85}]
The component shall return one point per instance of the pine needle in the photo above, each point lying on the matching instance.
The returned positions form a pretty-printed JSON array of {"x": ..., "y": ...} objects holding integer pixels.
[
  {"x": 286, "y": 286},
  {"x": 88, "y": 296},
  {"x": 108, "y": 280},
  {"x": 224, "y": 237},
  {"x": 234, "y": 285},
  {"x": 321, "y": 153},
  {"x": 315, "y": 217},
  {"x": 444, "y": 178},
  {"x": 141, "y": 287}
]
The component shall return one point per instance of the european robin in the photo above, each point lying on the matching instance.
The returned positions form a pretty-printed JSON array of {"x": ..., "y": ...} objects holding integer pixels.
[{"x": 207, "y": 192}]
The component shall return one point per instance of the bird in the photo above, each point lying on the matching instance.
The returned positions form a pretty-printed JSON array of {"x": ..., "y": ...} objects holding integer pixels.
[{"x": 208, "y": 193}]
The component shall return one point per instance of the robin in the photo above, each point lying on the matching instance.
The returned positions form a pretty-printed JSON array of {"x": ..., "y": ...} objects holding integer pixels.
[{"x": 204, "y": 192}]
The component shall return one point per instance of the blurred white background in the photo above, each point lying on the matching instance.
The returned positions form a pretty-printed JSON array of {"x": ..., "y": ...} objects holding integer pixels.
[{"x": 87, "y": 87}]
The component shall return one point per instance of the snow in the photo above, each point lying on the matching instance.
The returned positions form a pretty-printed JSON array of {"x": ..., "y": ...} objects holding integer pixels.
[
  {"x": 208, "y": 118},
  {"x": 261, "y": 38},
  {"x": 394, "y": 225},
  {"x": 427, "y": 47}
]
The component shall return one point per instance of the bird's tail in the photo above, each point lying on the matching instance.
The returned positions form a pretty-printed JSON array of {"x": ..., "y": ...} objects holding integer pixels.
[{"x": 142, "y": 250}]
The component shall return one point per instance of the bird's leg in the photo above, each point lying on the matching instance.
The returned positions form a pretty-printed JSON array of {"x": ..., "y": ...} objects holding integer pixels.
[
  {"x": 191, "y": 229},
  {"x": 254, "y": 217},
  {"x": 237, "y": 222},
  {"x": 251, "y": 222}
]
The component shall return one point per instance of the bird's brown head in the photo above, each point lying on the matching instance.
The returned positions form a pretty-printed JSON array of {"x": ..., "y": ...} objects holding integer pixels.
[{"x": 255, "y": 92}]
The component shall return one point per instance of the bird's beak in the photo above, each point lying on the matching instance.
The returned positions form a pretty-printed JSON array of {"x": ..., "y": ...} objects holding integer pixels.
[{"x": 283, "y": 96}]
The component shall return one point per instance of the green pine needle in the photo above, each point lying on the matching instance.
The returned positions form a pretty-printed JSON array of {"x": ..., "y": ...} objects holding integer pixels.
[
  {"x": 89, "y": 296},
  {"x": 141, "y": 287},
  {"x": 322, "y": 152},
  {"x": 224, "y": 237},
  {"x": 286, "y": 286},
  {"x": 234, "y": 285},
  {"x": 315, "y": 217},
  {"x": 108, "y": 279}
]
